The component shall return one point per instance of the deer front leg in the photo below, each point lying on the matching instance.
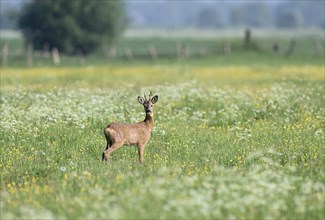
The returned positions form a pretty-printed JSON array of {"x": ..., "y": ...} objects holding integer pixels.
[{"x": 141, "y": 152}]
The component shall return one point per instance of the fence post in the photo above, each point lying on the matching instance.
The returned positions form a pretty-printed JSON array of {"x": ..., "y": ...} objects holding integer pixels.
[
  {"x": 275, "y": 48},
  {"x": 5, "y": 51},
  {"x": 226, "y": 48},
  {"x": 292, "y": 47},
  {"x": 30, "y": 55},
  {"x": 112, "y": 53},
  {"x": 46, "y": 51},
  {"x": 186, "y": 50},
  {"x": 201, "y": 51},
  {"x": 128, "y": 54},
  {"x": 81, "y": 57},
  {"x": 247, "y": 39},
  {"x": 55, "y": 56},
  {"x": 153, "y": 52},
  {"x": 318, "y": 47},
  {"x": 182, "y": 50},
  {"x": 179, "y": 50}
]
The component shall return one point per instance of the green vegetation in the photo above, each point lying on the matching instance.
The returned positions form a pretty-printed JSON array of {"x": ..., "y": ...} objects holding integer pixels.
[
  {"x": 230, "y": 141},
  {"x": 201, "y": 51},
  {"x": 236, "y": 136},
  {"x": 72, "y": 26}
]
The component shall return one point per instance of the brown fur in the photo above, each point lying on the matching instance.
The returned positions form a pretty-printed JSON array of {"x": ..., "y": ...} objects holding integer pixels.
[{"x": 137, "y": 134}]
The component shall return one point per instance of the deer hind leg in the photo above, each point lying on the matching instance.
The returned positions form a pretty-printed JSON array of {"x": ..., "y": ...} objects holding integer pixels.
[
  {"x": 108, "y": 144},
  {"x": 104, "y": 157},
  {"x": 110, "y": 150}
]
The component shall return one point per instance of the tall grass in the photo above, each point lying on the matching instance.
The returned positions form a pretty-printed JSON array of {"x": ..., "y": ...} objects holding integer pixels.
[{"x": 228, "y": 142}]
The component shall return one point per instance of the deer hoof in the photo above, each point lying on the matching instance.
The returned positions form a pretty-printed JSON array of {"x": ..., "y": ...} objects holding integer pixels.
[{"x": 104, "y": 158}]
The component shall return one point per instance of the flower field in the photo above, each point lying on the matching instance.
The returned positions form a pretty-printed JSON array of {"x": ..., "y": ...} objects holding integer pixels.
[{"x": 229, "y": 142}]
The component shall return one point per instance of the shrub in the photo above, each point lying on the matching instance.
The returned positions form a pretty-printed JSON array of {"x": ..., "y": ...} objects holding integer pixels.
[{"x": 72, "y": 26}]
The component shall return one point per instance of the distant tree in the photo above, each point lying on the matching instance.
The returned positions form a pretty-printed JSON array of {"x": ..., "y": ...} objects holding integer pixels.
[
  {"x": 72, "y": 26},
  {"x": 7, "y": 19},
  {"x": 9, "y": 12},
  {"x": 237, "y": 16},
  {"x": 313, "y": 13},
  {"x": 257, "y": 14},
  {"x": 289, "y": 19},
  {"x": 208, "y": 18}
]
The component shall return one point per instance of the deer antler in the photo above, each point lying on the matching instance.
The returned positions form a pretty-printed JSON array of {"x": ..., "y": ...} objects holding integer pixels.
[{"x": 150, "y": 96}]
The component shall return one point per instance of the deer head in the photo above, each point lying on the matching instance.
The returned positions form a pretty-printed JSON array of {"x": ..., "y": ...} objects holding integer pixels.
[{"x": 148, "y": 103}]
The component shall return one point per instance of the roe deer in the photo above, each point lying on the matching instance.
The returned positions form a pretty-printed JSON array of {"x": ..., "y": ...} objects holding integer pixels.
[{"x": 137, "y": 134}]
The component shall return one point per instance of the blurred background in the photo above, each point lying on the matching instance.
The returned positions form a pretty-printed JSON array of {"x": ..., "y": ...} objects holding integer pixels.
[
  {"x": 158, "y": 29},
  {"x": 211, "y": 14}
]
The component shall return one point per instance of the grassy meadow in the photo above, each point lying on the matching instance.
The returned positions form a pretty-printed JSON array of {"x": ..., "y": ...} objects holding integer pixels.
[{"x": 231, "y": 141}]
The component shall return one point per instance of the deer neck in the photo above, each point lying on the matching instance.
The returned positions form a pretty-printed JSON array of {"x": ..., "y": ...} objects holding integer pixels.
[{"x": 149, "y": 120}]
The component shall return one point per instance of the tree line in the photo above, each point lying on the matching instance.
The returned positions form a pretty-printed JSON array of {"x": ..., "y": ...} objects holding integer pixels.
[
  {"x": 223, "y": 14},
  {"x": 81, "y": 27},
  {"x": 72, "y": 27}
]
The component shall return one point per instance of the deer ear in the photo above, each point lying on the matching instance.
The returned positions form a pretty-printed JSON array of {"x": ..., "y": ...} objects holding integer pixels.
[
  {"x": 140, "y": 100},
  {"x": 154, "y": 99}
]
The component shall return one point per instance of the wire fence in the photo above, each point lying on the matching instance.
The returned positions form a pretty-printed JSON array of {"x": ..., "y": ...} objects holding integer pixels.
[{"x": 178, "y": 51}]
